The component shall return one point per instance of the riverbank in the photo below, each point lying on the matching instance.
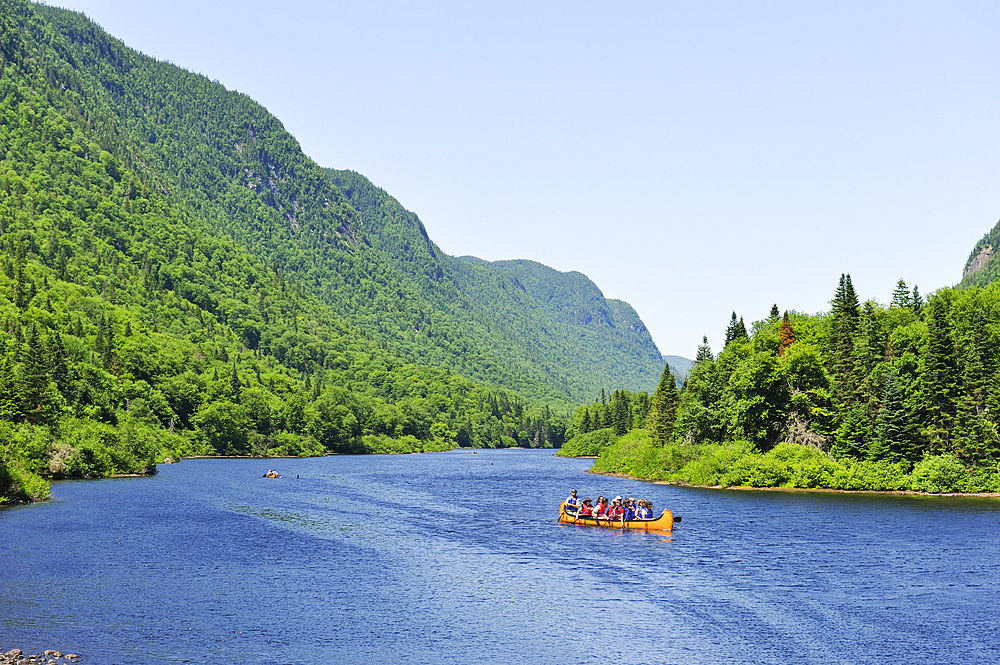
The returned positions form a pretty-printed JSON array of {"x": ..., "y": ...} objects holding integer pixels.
[
  {"x": 789, "y": 466},
  {"x": 825, "y": 490}
]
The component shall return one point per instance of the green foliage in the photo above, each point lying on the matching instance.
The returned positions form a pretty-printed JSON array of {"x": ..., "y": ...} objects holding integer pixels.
[
  {"x": 588, "y": 445},
  {"x": 177, "y": 278},
  {"x": 939, "y": 473}
]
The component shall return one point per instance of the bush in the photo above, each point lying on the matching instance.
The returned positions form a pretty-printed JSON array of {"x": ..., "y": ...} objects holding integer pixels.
[
  {"x": 939, "y": 473},
  {"x": 878, "y": 475},
  {"x": 588, "y": 445}
]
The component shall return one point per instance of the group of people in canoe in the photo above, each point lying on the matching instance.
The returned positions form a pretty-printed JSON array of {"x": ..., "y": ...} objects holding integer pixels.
[{"x": 609, "y": 509}]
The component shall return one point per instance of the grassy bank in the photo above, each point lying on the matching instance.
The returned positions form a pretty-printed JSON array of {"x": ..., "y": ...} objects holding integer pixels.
[{"x": 738, "y": 464}]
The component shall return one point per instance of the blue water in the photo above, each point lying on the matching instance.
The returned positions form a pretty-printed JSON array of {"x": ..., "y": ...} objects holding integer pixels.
[{"x": 457, "y": 558}]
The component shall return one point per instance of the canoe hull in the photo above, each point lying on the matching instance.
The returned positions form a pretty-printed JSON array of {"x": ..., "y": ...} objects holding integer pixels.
[{"x": 664, "y": 522}]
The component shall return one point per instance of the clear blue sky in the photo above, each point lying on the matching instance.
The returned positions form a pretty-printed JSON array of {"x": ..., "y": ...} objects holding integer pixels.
[{"x": 692, "y": 158}]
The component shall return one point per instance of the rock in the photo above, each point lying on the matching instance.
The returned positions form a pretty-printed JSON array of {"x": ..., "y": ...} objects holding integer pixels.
[
  {"x": 57, "y": 654},
  {"x": 72, "y": 656}
]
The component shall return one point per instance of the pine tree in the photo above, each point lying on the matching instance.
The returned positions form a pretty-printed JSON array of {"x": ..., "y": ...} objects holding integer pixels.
[
  {"x": 773, "y": 317},
  {"x": 619, "y": 412},
  {"x": 940, "y": 376},
  {"x": 916, "y": 302},
  {"x": 10, "y": 395},
  {"x": 663, "y": 411},
  {"x": 901, "y": 296},
  {"x": 845, "y": 314},
  {"x": 35, "y": 376},
  {"x": 704, "y": 352},
  {"x": 895, "y": 439}
]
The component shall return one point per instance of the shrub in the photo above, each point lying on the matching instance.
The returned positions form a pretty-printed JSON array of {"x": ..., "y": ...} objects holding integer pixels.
[
  {"x": 588, "y": 445},
  {"x": 939, "y": 473}
]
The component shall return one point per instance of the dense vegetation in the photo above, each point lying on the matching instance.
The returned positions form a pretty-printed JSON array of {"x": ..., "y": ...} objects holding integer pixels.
[
  {"x": 903, "y": 396},
  {"x": 983, "y": 266},
  {"x": 143, "y": 315}
]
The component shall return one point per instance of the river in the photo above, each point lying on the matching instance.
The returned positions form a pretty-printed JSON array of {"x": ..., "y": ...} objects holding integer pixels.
[{"x": 457, "y": 558}]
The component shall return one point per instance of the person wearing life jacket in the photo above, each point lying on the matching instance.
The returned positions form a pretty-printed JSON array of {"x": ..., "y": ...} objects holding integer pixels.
[
  {"x": 572, "y": 503},
  {"x": 587, "y": 508},
  {"x": 644, "y": 512},
  {"x": 601, "y": 509},
  {"x": 630, "y": 509},
  {"x": 615, "y": 510}
]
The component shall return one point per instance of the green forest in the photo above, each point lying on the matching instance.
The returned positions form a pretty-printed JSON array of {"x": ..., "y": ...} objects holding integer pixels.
[
  {"x": 178, "y": 278},
  {"x": 140, "y": 322},
  {"x": 866, "y": 396}
]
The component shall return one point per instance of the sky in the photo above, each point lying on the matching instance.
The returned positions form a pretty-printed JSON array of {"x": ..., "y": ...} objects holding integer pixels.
[{"x": 691, "y": 158}]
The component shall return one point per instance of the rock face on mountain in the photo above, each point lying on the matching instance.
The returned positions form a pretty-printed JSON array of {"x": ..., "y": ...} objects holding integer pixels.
[{"x": 982, "y": 267}]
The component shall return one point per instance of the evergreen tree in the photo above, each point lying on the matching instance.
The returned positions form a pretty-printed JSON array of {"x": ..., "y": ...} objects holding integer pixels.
[
  {"x": 663, "y": 410},
  {"x": 619, "y": 412},
  {"x": 895, "y": 439},
  {"x": 234, "y": 385},
  {"x": 844, "y": 323},
  {"x": 916, "y": 302},
  {"x": 773, "y": 317},
  {"x": 704, "y": 352},
  {"x": 940, "y": 376},
  {"x": 901, "y": 296},
  {"x": 10, "y": 397},
  {"x": 35, "y": 377}
]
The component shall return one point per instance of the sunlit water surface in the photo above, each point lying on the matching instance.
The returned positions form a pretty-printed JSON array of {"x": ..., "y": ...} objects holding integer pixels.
[{"x": 458, "y": 558}]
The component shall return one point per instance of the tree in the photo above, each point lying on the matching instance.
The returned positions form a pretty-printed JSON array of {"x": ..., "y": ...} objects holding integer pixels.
[
  {"x": 901, "y": 296},
  {"x": 663, "y": 411},
  {"x": 704, "y": 352},
  {"x": 895, "y": 439},
  {"x": 940, "y": 375},
  {"x": 786, "y": 334},
  {"x": 736, "y": 329},
  {"x": 773, "y": 317}
]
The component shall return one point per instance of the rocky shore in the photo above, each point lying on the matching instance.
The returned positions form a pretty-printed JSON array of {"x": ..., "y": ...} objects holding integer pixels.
[{"x": 47, "y": 657}]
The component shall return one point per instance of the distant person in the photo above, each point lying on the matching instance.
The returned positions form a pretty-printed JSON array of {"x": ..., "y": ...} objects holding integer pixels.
[{"x": 572, "y": 503}]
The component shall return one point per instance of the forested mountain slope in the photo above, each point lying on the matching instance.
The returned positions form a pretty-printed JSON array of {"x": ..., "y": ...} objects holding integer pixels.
[
  {"x": 983, "y": 267},
  {"x": 141, "y": 315},
  {"x": 560, "y": 322},
  {"x": 234, "y": 166}
]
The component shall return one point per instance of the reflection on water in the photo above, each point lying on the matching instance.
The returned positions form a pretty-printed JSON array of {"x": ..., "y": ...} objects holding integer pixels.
[{"x": 455, "y": 557}]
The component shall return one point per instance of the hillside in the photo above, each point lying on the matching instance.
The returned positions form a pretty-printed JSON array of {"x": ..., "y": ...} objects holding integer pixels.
[
  {"x": 571, "y": 336},
  {"x": 235, "y": 167},
  {"x": 138, "y": 320},
  {"x": 177, "y": 277},
  {"x": 982, "y": 267}
]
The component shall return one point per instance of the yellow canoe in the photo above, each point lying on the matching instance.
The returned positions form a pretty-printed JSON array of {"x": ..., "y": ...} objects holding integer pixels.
[{"x": 664, "y": 522}]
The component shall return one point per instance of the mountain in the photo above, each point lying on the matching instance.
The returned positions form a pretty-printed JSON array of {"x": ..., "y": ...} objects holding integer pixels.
[
  {"x": 982, "y": 267},
  {"x": 553, "y": 325},
  {"x": 177, "y": 276},
  {"x": 369, "y": 260},
  {"x": 681, "y": 366}
]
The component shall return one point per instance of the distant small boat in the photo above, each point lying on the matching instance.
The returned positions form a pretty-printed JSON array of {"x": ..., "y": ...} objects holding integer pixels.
[
  {"x": 271, "y": 474},
  {"x": 664, "y": 522}
]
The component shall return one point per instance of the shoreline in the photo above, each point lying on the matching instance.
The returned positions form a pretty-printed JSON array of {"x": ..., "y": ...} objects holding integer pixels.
[{"x": 828, "y": 490}]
